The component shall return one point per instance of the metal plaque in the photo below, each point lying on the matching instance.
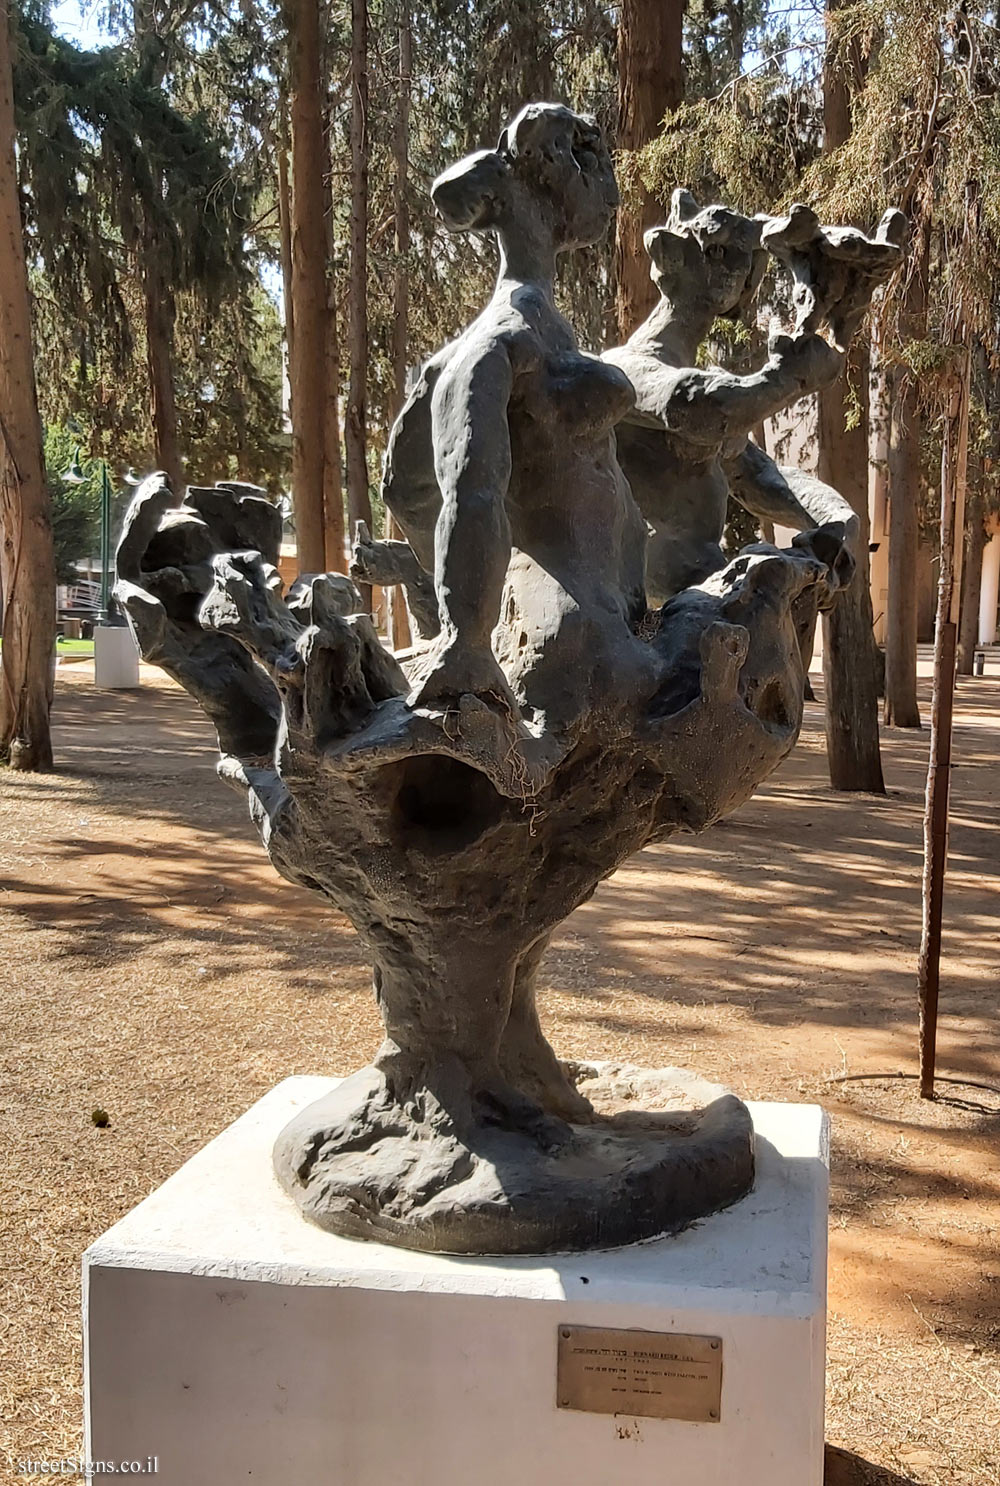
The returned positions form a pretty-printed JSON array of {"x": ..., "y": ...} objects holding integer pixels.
[{"x": 659, "y": 1374}]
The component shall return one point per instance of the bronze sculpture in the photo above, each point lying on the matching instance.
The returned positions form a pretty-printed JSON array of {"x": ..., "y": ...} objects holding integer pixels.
[{"x": 458, "y": 809}]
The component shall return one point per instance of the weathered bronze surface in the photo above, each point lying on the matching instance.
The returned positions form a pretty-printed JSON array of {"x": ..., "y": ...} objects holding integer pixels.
[
  {"x": 459, "y": 801},
  {"x": 659, "y": 1374}
]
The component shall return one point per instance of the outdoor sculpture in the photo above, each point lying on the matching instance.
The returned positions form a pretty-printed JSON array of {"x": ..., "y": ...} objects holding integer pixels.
[
  {"x": 457, "y": 811},
  {"x": 684, "y": 444}
]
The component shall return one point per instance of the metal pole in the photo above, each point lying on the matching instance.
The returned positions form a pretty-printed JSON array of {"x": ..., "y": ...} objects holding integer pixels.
[
  {"x": 105, "y": 539},
  {"x": 954, "y": 460}
]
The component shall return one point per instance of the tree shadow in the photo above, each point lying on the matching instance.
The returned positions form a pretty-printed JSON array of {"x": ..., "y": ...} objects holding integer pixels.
[
  {"x": 796, "y": 912},
  {"x": 844, "y": 1468}
]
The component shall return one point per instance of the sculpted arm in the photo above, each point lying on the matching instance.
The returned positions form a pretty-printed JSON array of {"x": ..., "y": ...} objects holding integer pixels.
[
  {"x": 472, "y": 539},
  {"x": 712, "y": 407},
  {"x": 788, "y": 497},
  {"x": 409, "y": 484}
]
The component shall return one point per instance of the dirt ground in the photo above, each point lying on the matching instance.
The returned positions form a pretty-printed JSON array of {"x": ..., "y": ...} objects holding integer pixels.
[{"x": 155, "y": 966}]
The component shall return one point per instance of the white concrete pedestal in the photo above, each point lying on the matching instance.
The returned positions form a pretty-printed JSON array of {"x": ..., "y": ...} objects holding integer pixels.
[
  {"x": 116, "y": 660},
  {"x": 235, "y": 1342}
]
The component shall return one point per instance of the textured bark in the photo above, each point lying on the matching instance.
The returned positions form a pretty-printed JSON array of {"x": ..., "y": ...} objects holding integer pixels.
[
  {"x": 307, "y": 349},
  {"x": 851, "y": 666},
  {"x": 158, "y": 300},
  {"x": 285, "y": 224},
  {"x": 27, "y": 567},
  {"x": 650, "y": 82},
  {"x": 901, "y": 709},
  {"x": 972, "y": 585},
  {"x": 400, "y": 152},
  {"x": 333, "y": 468},
  {"x": 954, "y": 465},
  {"x": 399, "y": 619},
  {"x": 355, "y": 430},
  {"x": 157, "y": 288}
]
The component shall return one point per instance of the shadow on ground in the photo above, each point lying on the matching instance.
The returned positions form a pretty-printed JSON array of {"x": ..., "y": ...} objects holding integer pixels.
[{"x": 844, "y": 1469}]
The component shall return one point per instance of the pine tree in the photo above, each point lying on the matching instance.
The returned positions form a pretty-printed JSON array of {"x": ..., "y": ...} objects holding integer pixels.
[
  {"x": 651, "y": 84},
  {"x": 850, "y": 661},
  {"x": 27, "y": 567},
  {"x": 356, "y": 432},
  {"x": 307, "y": 329}
]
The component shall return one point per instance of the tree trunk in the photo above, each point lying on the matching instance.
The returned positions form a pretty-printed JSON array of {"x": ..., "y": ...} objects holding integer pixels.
[
  {"x": 307, "y": 348},
  {"x": 850, "y": 655},
  {"x": 158, "y": 299},
  {"x": 954, "y": 464},
  {"x": 285, "y": 224},
  {"x": 355, "y": 435},
  {"x": 901, "y": 709},
  {"x": 972, "y": 587},
  {"x": 399, "y": 620},
  {"x": 27, "y": 565},
  {"x": 333, "y": 464},
  {"x": 400, "y": 152},
  {"x": 335, "y": 531},
  {"x": 157, "y": 289},
  {"x": 850, "y": 665},
  {"x": 650, "y": 82}
]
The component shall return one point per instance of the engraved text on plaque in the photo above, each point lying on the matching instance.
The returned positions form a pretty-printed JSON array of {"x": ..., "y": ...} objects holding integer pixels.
[{"x": 660, "y": 1374}]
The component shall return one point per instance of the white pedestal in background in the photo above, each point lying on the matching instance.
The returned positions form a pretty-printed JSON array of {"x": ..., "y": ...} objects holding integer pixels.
[
  {"x": 236, "y": 1342},
  {"x": 116, "y": 660}
]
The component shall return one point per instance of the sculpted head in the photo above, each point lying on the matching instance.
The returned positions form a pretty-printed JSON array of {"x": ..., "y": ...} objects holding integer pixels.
[
  {"x": 551, "y": 164},
  {"x": 709, "y": 256}
]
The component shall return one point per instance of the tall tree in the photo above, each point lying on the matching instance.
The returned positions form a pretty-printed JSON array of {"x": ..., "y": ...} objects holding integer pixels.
[
  {"x": 110, "y": 162},
  {"x": 650, "y": 83},
  {"x": 27, "y": 566},
  {"x": 335, "y": 533},
  {"x": 972, "y": 583},
  {"x": 158, "y": 282},
  {"x": 399, "y": 621},
  {"x": 901, "y": 706},
  {"x": 355, "y": 433},
  {"x": 954, "y": 467},
  {"x": 307, "y": 348},
  {"x": 849, "y": 661}
]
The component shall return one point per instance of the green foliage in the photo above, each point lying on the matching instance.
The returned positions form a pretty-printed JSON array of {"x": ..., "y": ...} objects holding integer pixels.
[
  {"x": 76, "y": 509},
  {"x": 163, "y": 147},
  {"x": 131, "y": 159}
]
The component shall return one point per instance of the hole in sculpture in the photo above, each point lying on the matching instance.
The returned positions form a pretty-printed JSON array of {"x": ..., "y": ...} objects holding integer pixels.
[
  {"x": 442, "y": 803},
  {"x": 769, "y": 705}
]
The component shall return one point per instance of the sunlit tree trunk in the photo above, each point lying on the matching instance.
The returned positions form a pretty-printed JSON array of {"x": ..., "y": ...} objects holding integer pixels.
[
  {"x": 307, "y": 347},
  {"x": 650, "y": 82},
  {"x": 157, "y": 286},
  {"x": 850, "y": 668},
  {"x": 972, "y": 587},
  {"x": 27, "y": 566},
  {"x": 355, "y": 433},
  {"x": 954, "y": 467},
  {"x": 285, "y": 221},
  {"x": 901, "y": 709},
  {"x": 333, "y": 467},
  {"x": 399, "y": 620}
]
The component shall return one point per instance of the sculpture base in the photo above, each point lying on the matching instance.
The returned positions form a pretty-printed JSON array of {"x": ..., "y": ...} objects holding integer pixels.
[
  {"x": 665, "y": 1148},
  {"x": 236, "y": 1342}
]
